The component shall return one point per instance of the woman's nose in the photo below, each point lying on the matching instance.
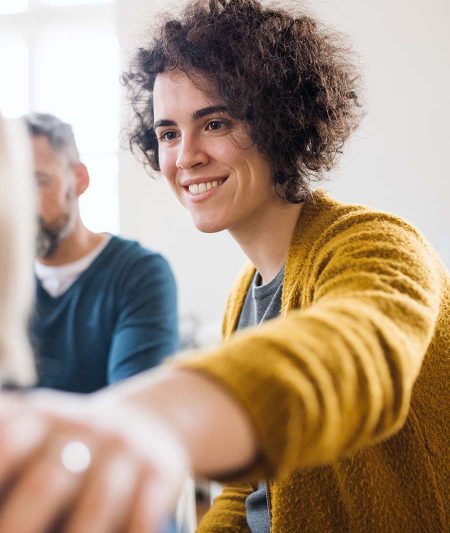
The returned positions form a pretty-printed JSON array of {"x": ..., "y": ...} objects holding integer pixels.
[{"x": 191, "y": 153}]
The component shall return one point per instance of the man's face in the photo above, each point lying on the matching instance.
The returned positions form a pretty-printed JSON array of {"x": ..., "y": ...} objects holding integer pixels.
[
  {"x": 55, "y": 194},
  {"x": 209, "y": 159}
]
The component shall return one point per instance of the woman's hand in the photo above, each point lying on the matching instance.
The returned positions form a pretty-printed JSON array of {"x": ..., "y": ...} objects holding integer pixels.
[{"x": 74, "y": 464}]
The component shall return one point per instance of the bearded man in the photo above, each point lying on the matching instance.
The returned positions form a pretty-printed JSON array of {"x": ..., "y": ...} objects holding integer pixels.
[{"x": 105, "y": 308}]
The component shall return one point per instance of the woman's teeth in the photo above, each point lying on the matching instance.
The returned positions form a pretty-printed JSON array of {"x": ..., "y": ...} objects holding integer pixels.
[{"x": 199, "y": 188}]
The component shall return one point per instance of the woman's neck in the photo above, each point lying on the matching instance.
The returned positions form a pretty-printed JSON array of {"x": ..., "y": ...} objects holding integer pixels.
[{"x": 266, "y": 241}]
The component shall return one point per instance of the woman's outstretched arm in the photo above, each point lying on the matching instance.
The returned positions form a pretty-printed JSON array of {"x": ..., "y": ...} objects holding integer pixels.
[{"x": 141, "y": 438}]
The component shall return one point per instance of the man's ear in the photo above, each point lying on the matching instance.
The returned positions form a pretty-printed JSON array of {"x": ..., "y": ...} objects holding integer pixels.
[{"x": 81, "y": 178}]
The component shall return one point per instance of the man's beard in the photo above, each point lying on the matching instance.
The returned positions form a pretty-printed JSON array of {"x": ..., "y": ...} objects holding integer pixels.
[{"x": 50, "y": 235}]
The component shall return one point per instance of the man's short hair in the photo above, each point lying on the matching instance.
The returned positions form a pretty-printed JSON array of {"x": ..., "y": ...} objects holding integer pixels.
[{"x": 58, "y": 133}]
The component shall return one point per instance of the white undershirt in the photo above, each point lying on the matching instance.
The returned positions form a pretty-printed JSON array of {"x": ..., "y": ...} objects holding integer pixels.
[{"x": 57, "y": 279}]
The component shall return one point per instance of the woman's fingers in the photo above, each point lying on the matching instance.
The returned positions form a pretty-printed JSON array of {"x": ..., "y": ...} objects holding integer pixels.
[
  {"x": 43, "y": 490},
  {"x": 146, "y": 514},
  {"x": 21, "y": 435},
  {"x": 156, "y": 495},
  {"x": 106, "y": 498}
]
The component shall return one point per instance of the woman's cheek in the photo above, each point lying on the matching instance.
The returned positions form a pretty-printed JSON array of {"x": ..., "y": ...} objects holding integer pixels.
[{"x": 167, "y": 164}]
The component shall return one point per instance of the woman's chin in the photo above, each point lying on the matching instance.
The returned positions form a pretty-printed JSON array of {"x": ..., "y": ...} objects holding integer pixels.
[{"x": 207, "y": 225}]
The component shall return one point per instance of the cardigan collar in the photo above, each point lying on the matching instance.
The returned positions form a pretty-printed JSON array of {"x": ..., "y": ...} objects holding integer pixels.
[{"x": 302, "y": 239}]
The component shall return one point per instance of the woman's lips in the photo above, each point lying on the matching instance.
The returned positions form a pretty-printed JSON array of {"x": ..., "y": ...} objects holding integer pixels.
[{"x": 205, "y": 189}]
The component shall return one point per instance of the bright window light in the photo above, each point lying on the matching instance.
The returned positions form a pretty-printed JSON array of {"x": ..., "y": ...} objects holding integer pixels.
[
  {"x": 78, "y": 80},
  {"x": 102, "y": 193},
  {"x": 14, "y": 84},
  {"x": 67, "y": 63},
  {"x": 8, "y": 7}
]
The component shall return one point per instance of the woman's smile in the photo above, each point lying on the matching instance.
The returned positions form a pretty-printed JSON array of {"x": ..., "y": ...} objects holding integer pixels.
[{"x": 202, "y": 189}]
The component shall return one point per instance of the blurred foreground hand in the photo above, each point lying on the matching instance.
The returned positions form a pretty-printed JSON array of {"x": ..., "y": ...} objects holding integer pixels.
[{"x": 75, "y": 465}]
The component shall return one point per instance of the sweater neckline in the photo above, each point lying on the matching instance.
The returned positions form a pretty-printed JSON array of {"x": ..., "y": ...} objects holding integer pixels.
[
  {"x": 87, "y": 272},
  {"x": 300, "y": 244}
]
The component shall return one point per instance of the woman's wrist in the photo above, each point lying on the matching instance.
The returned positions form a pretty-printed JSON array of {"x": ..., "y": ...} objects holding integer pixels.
[{"x": 198, "y": 411}]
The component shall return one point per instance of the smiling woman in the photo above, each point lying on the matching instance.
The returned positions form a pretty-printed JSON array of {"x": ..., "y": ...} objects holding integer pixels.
[
  {"x": 241, "y": 106},
  {"x": 323, "y": 406},
  {"x": 210, "y": 161}
]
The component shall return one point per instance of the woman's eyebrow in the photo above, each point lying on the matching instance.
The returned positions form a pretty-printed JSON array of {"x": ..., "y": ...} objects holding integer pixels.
[
  {"x": 163, "y": 122},
  {"x": 199, "y": 113},
  {"x": 205, "y": 111}
]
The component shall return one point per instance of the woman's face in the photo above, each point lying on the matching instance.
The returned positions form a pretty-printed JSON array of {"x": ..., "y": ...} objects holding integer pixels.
[{"x": 208, "y": 158}]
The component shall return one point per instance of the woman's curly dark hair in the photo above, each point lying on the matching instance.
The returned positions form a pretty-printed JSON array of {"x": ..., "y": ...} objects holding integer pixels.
[{"x": 289, "y": 78}]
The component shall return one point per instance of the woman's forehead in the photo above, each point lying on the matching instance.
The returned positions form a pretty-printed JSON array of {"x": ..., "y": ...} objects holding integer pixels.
[{"x": 175, "y": 93}]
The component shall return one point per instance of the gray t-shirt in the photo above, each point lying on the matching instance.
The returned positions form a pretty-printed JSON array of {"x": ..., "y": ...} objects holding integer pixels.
[{"x": 262, "y": 303}]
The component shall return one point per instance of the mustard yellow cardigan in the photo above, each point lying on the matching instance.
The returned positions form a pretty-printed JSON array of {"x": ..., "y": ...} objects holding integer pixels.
[{"x": 347, "y": 390}]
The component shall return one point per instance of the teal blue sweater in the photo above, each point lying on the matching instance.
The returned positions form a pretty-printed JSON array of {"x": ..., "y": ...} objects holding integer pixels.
[{"x": 118, "y": 318}]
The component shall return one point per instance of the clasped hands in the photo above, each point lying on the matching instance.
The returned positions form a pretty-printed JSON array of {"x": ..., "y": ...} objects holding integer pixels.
[{"x": 75, "y": 464}]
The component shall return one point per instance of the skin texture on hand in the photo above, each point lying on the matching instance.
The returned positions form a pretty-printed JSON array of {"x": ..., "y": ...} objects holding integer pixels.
[
  {"x": 212, "y": 426},
  {"x": 136, "y": 472}
]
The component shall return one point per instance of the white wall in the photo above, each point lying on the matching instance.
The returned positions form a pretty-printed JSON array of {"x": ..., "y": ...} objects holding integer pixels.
[{"x": 397, "y": 161}]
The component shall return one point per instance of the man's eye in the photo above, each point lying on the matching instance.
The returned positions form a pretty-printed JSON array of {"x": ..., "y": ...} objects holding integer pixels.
[{"x": 42, "y": 181}]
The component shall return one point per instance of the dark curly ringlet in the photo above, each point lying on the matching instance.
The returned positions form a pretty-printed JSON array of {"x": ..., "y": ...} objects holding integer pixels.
[{"x": 292, "y": 80}]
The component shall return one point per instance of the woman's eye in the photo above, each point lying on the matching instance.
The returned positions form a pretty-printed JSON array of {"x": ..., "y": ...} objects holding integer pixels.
[
  {"x": 168, "y": 136},
  {"x": 215, "y": 125}
]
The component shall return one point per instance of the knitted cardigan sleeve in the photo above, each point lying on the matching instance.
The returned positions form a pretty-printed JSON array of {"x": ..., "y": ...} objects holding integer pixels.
[{"x": 336, "y": 373}]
